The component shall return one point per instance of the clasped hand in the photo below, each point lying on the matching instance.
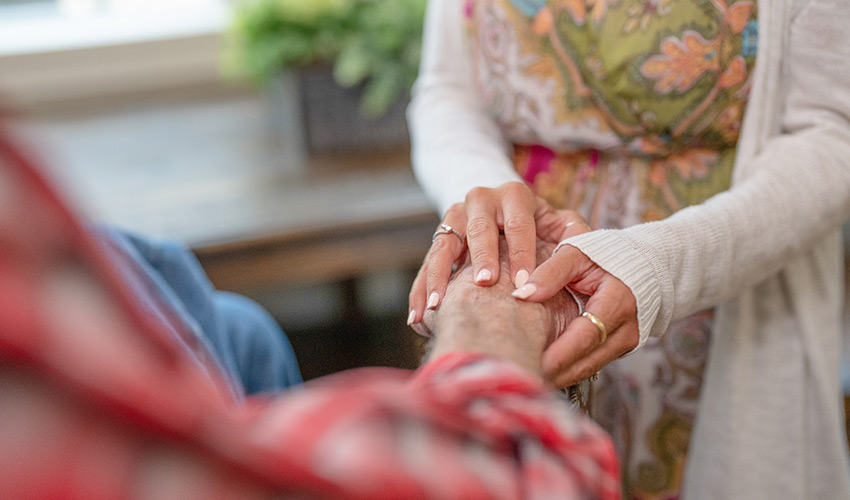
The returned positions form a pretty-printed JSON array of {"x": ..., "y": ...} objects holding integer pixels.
[{"x": 580, "y": 350}]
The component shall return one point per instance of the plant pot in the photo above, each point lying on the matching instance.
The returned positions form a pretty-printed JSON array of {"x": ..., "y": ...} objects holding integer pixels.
[{"x": 318, "y": 116}]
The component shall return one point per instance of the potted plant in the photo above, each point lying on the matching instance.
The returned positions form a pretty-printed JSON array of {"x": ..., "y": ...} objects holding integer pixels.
[{"x": 349, "y": 64}]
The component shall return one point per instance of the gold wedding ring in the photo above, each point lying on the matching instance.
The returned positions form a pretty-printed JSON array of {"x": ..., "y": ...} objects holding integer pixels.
[
  {"x": 447, "y": 229},
  {"x": 603, "y": 332}
]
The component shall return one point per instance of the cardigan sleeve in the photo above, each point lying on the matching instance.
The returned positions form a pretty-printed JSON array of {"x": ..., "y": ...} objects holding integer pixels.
[
  {"x": 789, "y": 195},
  {"x": 456, "y": 145}
]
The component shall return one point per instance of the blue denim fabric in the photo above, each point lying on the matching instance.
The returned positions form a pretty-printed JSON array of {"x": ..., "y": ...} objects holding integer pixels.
[{"x": 226, "y": 330}]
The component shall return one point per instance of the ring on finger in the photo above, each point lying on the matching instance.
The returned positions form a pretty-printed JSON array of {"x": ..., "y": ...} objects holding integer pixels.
[
  {"x": 447, "y": 229},
  {"x": 600, "y": 326}
]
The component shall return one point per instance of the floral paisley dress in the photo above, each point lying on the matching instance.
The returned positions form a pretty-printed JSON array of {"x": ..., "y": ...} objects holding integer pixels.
[{"x": 627, "y": 111}]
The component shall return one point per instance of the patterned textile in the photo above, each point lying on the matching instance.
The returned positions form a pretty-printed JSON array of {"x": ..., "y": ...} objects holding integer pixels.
[
  {"x": 627, "y": 111},
  {"x": 99, "y": 400}
]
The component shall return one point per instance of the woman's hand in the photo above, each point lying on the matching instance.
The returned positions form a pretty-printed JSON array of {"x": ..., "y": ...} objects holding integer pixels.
[
  {"x": 477, "y": 222},
  {"x": 585, "y": 347}
]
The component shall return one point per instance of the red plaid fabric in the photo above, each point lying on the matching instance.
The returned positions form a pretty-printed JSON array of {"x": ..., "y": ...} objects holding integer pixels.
[{"x": 98, "y": 402}]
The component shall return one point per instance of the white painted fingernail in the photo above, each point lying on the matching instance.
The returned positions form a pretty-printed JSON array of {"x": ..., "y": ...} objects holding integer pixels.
[
  {"x": 521, "y": 278},
  {"x": 411, "y": 317},
  {"x": 433, "y": 300},
  {"x": 483, "y": 275},
  {"x": 525, "y": 291}
]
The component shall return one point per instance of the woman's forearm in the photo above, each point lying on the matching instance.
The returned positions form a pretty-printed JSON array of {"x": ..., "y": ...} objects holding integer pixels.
[{"x": 456, "y": 144}]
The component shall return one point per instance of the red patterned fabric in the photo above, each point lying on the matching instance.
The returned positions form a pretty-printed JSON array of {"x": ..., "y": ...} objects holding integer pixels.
[{"x": 97, "y": 402}]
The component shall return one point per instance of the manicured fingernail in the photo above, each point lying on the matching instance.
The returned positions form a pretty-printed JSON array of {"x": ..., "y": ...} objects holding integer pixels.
[
  {"x": 483, "y": 276},
  {"x": 411, "y": 316},
  {"x": 521, "y": 278},
  {"x": 525, "y": 291},
  {"x": 433, "y": 300}
]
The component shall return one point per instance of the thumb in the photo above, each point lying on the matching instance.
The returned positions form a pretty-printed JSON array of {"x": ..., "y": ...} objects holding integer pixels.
[{"x": 566, "y": 266}]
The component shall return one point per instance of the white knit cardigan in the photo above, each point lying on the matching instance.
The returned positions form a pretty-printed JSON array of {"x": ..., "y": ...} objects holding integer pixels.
[{"x": 766, "y": 253}]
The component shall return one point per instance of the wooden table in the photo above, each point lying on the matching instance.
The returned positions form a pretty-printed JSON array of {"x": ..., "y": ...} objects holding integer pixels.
[
  {"x": 338, "y": 219},
  {"x": 211, "y": 173}
]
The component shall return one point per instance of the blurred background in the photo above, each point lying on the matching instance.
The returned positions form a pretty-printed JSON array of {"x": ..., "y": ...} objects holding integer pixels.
[{"x": 269, "y": 136}]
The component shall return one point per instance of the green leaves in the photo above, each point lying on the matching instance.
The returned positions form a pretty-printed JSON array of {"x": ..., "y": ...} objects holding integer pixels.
[
  {"x": 374, "y": 43},
  {"x": 353, "y": 65}
]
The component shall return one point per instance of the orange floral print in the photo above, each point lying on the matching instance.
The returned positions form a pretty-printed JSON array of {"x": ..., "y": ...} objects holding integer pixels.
[
  {"x": 683, "y": 62},
  {"x": 738, "y": 15},
  {"x": 729, "y": 122},
  {"x": 734, "y": 74},
  {"x": 641, "y": 14}
]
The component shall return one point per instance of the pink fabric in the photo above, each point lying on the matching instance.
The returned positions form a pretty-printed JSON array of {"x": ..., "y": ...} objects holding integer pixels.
[{"x": 538, "y": 162}]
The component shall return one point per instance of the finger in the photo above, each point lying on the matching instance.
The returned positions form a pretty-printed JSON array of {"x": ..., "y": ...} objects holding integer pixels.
[
  {"x": 555, "y": 226},
  {"x": 615, "y": 302},
  {"x": 574, "y": 228},
  {"x": 613, "y": 307},
  {"x": 417, "y": 297},
  {"x": 482, "y": 235},
  {"x": 520, "y": 235},
  {"x": 445, "y": 250},
  {"x": 617, "y": 344},
  {"x": 447, "y": 245},
  {"x": 423, "y": 327},
  {"x": 610, "y": 307},
  {"x": 564, "y": 267}
]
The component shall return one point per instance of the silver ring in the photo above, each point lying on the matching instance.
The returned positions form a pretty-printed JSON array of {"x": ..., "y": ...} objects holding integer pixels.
[{"x": 447, "y": 229}]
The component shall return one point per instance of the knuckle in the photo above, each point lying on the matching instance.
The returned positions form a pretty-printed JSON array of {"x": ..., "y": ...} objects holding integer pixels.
[
  {"x": 455, "y": 208},
  {"x": 520, "y": 254},
  {"x": 542, "y": 207},
  {"x": 477, "y": 227},
  {"x": 519, "y": 223},
  {"x": 479, "y": 256},
  {"x": 585, "y": 371},
  {"x": 631, "y": 342},
  {"x": 455, "y": 214},
  {"x": 439, "y": 245},
  {"x": 562, "y": 367},
  {"x": 478, "y": 192},
  {"x": 516, "y": 188}
]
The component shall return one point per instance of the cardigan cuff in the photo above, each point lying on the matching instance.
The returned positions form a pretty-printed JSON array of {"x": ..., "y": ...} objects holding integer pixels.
[{"x": 623, "y": 258}]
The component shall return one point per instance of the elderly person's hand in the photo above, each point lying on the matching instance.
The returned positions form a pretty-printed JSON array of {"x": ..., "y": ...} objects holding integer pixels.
[{"x": 491, "y": 321}]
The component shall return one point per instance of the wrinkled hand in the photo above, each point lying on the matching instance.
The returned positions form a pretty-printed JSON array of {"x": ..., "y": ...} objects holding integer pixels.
[
  {"x": 579, "y": 353},
  {"x": 488, "y": 320},
  {"x": 511, "y": 207}
]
